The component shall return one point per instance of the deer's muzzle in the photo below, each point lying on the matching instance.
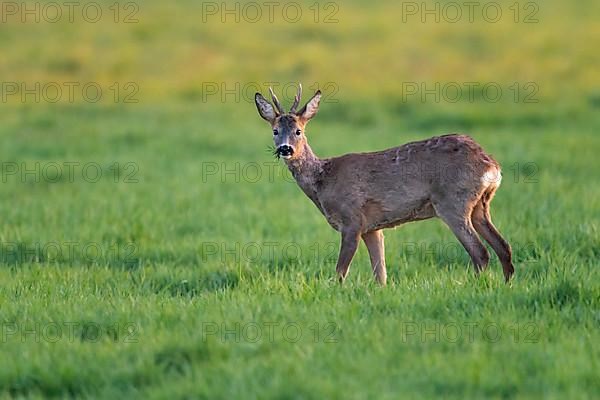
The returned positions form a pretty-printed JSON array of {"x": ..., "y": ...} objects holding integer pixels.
[{"x": 285, "y": 151}]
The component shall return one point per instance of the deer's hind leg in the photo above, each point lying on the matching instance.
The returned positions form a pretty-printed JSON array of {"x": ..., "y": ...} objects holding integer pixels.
[
  {"x": 482, "y": 221},
  {"x": 458, "y": 219}
]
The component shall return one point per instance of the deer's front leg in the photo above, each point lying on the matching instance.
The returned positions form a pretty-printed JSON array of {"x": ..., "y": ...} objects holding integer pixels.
[
  {"x": 374, "y": 242},
  {"x": 347, "y": 249}
]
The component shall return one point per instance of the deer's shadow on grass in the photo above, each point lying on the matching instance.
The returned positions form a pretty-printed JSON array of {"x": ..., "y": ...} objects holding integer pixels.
[{"x": 561, "y": 294}]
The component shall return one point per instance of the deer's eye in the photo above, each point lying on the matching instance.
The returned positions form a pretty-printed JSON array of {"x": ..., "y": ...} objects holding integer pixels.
[
  {"x": 298, "y": 132},
  {"x": 275, "y": 132}
]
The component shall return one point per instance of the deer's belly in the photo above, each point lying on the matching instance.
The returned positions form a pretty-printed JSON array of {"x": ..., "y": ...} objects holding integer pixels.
[
  {"x": 374, "y": 215},
  {"x": 392, "y": 218}
]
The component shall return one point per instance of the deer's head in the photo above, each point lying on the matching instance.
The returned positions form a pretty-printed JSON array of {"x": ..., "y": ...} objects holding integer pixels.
[{"x": 288, "y": 128}]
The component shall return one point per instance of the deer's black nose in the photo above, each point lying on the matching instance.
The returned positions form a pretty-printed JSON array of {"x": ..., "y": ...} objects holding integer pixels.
[{"x": 285, "y": 150}]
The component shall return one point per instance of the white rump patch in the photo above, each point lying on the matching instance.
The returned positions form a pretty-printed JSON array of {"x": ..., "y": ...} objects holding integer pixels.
[{"x": 492, "y": 176}]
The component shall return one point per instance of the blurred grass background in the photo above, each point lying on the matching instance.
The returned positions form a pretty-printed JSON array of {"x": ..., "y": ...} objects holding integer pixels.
[
  {"x": 174, "y": 48},
  {"x": 171, "y": 287}
]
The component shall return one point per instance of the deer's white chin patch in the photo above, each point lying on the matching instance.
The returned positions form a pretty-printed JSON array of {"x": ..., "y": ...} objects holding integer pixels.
[
  {"x": 286, "y": 157},
  {"x": 492, "y": 176}
]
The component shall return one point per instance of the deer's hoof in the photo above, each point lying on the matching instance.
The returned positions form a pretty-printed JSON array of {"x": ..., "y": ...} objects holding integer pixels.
[{"x": 508, "y": 273}]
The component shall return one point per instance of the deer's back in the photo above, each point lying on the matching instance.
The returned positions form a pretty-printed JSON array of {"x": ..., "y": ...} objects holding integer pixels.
[{"x": 396, "y": 185}]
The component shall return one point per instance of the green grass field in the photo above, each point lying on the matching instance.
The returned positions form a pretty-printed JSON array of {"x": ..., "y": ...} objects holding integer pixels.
[{"x": 156, "y": 249}]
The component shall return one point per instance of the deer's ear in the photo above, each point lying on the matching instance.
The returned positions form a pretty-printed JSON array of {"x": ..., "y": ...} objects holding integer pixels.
[
  {"x": 311, "y": 108},
  {"x": 265, "y": 109}
]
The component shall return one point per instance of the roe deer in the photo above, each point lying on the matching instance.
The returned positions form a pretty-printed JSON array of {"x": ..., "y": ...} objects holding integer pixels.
[{"x": 449, "y": 177}]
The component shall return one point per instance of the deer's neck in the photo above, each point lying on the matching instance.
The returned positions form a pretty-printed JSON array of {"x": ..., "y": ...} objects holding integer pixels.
[{"x": 306, "y": 170}]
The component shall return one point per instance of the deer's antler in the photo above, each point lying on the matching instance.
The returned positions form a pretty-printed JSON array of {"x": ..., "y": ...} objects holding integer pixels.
[
  {"x": 276, "y": 101},
  {"x": 297, "y": 99}
]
